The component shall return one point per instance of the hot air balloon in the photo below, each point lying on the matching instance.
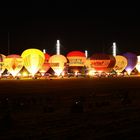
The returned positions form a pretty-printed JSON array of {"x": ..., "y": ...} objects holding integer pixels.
[
  {"x": 132, "y": 61},
  {"x": 33, "y": 60},
  {"x": 138, "y": 64},
  {"x": 121, "y": 63},
  {"x": 13, "y": 63},
  {"x": 2, "y": 67},
  {"x": 45, "y": 67},
  {"x": 57, "y": 63},
  {"x": 77, "y": 61},
  {"x": 100, "y": 62}
]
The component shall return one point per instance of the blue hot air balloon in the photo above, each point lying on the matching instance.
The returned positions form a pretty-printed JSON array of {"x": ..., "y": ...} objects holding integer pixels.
[{"x": 132, "y": 61}]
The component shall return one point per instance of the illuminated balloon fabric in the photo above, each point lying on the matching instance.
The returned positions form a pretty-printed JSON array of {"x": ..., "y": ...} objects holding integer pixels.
[
  {"x": 47, "y": 57},
  {"x": 121, "y": 63},
  {"x": 76, "y": 58},
  {"x": 138, "y": 64},
  {"x": 2, "y": 67},
  {"x": 46, "y": 66},
  {"x": 77, "y": 61},
  {"x": 13, "y": 63},
  {"x": 132, "y": 61},
  {"x": 57, "y": 63},
  {"x": 33, "y": 60},
  {"x": 100, "y": 62}
]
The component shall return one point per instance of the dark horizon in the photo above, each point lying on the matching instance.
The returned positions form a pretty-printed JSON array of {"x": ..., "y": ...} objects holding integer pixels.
[{"x": 77, "y": 29}]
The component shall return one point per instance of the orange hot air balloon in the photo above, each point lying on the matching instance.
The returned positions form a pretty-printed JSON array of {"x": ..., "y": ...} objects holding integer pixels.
[
  {"x": 33, "y": 60},
  {"x": 2, "y": 66},
  {"x": 13, "y": 63},
  {"x": 77, "y": 61},
  {"x": 46, "y": 66},
  {"x": 57, "y": 63},
  {"x": 121, "y": 63}
]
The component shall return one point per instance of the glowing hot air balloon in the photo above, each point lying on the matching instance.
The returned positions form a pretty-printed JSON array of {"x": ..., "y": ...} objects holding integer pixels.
[
  {"x": 138, "y": 64},
  {"x": 121, "y": 63},
  {"x": 45, "y": 67},
  {"x": 132, "y": 61},
  {"x": 13, "y": 63},
  {"x": 100, "y": 62},
  {"x": 77, "y": 61},
  {"x": 57, "y": 63},
  {"x": 33, "y": 60},
  {"x": 2, "y": 67}
]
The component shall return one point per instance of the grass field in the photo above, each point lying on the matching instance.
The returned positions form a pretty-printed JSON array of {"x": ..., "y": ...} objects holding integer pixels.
[{"x": 65, "y": 109}]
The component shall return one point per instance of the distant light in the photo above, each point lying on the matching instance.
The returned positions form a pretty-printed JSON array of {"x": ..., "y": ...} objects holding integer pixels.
[
  {"x": 86, "y": 53},
  {"x": 76, "y": 73},
  {"x": 58, "y": 71},
  {"x": 91, "y": 72},
  {"x": 114, "y": 49},
  {"x": 44, "y": 51},
  {"x": 58, "y": 47}
]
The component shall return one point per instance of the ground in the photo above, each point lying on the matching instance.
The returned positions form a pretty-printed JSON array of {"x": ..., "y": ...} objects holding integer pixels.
[{"x": 73, "y": 108}]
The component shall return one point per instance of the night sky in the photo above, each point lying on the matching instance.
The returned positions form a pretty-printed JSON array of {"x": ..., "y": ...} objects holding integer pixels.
[{"x": 94, "y": 29}]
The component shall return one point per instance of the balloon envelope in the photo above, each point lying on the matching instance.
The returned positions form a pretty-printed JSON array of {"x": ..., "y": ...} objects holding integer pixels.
[
  {"x": 121, "y": 63},
  {"x": 100, "y": 62},
  {"x": 77, "y": 61},
  {"x": 33, "y": 60},
  {"x": 57, "y": 63},
  {"x": 13, "y": 63},
  {"x": 132, "y": 61}
]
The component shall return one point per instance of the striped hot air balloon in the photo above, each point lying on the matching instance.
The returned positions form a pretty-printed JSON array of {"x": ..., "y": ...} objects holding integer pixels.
[
  {"x": 13, "y": 63},
  {"x": 33, "y": 60}
]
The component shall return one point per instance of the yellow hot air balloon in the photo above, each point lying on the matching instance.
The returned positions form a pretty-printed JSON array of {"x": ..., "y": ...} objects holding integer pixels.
[
  {"x": 138, "y": 64},
  {"x": 2, "y": 67},
  {"x": 57, "y": 63},
  {"x": 33, "y": 60},
  {"x": 121, "y": 63},
  {"x": 13, "y": 63}
]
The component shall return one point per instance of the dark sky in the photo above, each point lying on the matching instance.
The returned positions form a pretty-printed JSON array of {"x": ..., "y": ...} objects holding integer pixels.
[{"x": 94, "y": 29}]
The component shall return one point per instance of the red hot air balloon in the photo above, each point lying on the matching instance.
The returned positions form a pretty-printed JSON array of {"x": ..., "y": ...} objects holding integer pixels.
[
  {"x": 100, "y": 62},
  {"x": 77, "y": 60}
]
